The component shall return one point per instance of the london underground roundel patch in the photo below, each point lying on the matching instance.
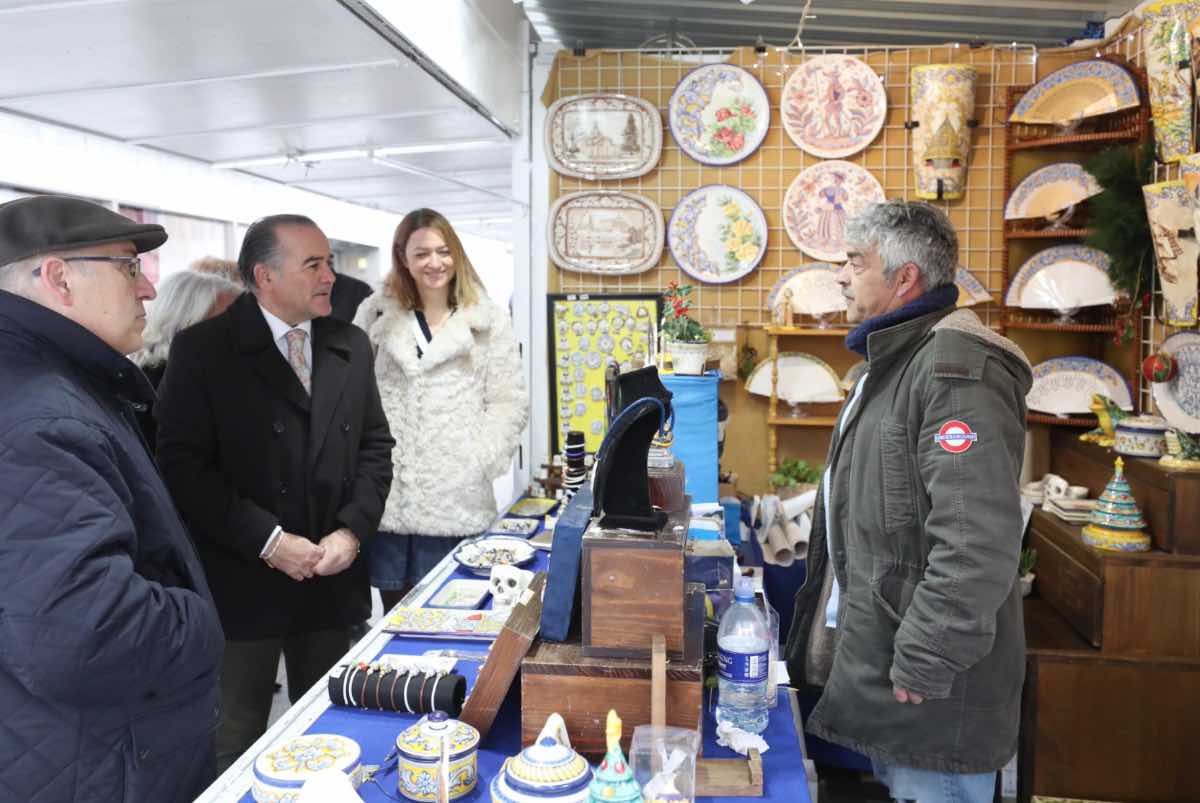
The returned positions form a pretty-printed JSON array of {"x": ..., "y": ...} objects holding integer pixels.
[{"x": 955, "y": 437}]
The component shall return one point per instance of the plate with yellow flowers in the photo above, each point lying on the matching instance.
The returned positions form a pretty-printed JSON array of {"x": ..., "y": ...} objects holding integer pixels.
[{"x": 717, "y": 234}]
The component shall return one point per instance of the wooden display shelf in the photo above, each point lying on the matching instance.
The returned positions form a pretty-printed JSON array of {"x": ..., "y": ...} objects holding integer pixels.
[
  {"x": 1045, "y": 234},
  {"x": 1058, "y": 421},
  {"x": 1050, "y": 326},
  {"x": 803, "y": 421},
  {"x": 806, "y": 331},
  {"x": 1073, "y": 140}
]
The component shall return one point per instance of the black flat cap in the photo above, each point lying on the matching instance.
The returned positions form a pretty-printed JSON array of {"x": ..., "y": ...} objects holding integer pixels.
[{"x": 43, "y": 223}]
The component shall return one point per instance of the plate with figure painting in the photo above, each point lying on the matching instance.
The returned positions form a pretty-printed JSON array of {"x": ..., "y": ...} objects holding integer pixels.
[
  {"x": 1065, "y": 386},
  {"x": 603, "y": 136},
  {"x": 1179, "y": 399},
  {"x": 819, "y": 202},
  {"x": 814, "y": 289},
  {"x": 1083, "y": 89},
  {"x": 719, "y": 114},
  {"x": 605, "y": 232},
  {"x": 1050, "y": 189},
  {"x": 717, "y": 234},
  {"x": 833, "y": 106},
  {"x": 970, "y": 290}
]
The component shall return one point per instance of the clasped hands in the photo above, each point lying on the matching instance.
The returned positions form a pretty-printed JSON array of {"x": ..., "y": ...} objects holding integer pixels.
[{"x": 301, "y": 559}]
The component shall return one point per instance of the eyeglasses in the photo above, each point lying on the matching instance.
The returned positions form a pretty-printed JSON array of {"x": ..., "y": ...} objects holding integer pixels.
[{"x": 131, "y": 265}]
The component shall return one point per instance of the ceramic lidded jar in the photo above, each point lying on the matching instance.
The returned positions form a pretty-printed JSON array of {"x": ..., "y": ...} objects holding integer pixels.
[
  {"x": 420, "y": 748},
  {"x": 282, "y": 770},
  {"x": 547, "y": 770},
  {"x": 1141, "y": 436}
]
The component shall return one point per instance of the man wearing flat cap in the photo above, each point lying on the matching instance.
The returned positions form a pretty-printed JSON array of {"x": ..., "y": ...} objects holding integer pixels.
[{"x": 110, "y": 645}]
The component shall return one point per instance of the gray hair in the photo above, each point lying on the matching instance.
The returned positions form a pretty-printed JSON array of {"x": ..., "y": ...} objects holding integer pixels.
[
  {"x": 184, "y": 299},
  {"x": 908, "y": 231},
  {"x": 15, "y": 276}
]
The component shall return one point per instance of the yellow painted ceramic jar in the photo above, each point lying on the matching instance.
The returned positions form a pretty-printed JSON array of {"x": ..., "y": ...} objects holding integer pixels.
[{"x": 420, "y": 749}]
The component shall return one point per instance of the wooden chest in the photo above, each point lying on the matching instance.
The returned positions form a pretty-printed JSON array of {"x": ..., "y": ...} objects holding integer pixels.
[
  {"x": 560, "y": 678},
  {"x": 633, "y": 587}
]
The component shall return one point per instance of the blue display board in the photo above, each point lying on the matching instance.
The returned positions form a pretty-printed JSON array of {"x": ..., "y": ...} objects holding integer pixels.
[{"x": 695, "y": 403}]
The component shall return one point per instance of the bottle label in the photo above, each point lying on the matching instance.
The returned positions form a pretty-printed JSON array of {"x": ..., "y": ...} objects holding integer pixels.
[{"x": 742, "y": 667}]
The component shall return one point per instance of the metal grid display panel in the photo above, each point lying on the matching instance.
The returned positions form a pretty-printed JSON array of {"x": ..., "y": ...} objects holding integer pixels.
[{"x": 768, "y": 172}]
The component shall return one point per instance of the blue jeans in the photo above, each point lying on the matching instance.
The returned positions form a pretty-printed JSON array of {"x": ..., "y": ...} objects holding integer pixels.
[{"x": 929, "y": 786}]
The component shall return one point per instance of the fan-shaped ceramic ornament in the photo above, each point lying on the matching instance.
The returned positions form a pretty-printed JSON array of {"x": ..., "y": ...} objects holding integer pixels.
[
  {"x": 719, "y": 114},
  {"x": 1062, "y": 278},
  {"x": 1065, "y": 386},
  {"x": 603, "y": 136},
  {"x": 814, "y": 289},
  {"x": 943, "y": 105},
  {"x": 819, "y": 202},
  {"x": 605, "y": 232},
  {"x": 1083, "y": 89},
  {"x": 1050, "y": 189},
  {"x": 802, "y": 378},
  {"x": 1179, "y": 399},
  {"x": 1172, "y": 229},
  {"x": 717, "y": 234},
  {"x": 970, "y": 290},
  {"x": 833, "y": 106}
]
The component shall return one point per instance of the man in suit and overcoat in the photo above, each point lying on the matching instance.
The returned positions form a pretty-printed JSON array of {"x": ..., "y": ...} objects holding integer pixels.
[{"x": 277, "y": 451}]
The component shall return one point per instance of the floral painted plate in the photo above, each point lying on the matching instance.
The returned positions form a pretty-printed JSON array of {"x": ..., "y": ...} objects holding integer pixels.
[
  {"x": 605, "y": 232},
  {"x": 833, "y": 106},
  {"x": 1062, "y": 277},
  {"x": 970, "y": 290},
  {"x": 819, "y": 202},
  {"x": 1079, "y": 90},
  {"x": 1179, "y": 399},
  {"x": 603, "y": 136},
  {"x": 802, "y": 378},
  {"x": 814, "y": 287},
  {"x": 717, "y": 234},
  {"x": 1050, "y": 189},
  {"x": 719, "y": 114},
  {"x": 1065, "y": 386}
]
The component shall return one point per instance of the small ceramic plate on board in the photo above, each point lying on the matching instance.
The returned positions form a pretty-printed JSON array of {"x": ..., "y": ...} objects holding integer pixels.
[
  {"x": 1065, "y": 386},
  {"x": 460, "y": 593},
  {"x": 1050, "y": 189},
  {"x": 719, "y": 114},
  {"x": 717, "y": 234},
  {"x": 603, "y": 136},
  {"x": 833, "y": 106},
  {"x": 1079, "y": 90},
  {"x": 605, "y": 232},
  {"x": 1179, "y": 399},
  {"x": 819, "y": 202}
]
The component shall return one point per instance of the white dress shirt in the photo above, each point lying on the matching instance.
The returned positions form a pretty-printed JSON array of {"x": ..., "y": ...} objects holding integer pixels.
[{"x": 279, "y": 330}]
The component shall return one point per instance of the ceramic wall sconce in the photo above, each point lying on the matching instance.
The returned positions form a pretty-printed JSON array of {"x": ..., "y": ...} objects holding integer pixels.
[{"x": 943, "y": 109}]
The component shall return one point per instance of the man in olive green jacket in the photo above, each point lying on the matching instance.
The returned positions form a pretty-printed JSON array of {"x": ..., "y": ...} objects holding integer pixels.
[{"x": 911, "y": 615}]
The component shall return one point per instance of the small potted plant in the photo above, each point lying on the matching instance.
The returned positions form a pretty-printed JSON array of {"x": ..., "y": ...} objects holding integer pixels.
[
  {"x": 684, "y": 339},
  {"x": 794, "y": 477},
  {"x": 1025, "y": 570}
]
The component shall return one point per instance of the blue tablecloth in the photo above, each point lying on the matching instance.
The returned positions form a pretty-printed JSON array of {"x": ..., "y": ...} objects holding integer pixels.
[{"x": 376, "y": 731}]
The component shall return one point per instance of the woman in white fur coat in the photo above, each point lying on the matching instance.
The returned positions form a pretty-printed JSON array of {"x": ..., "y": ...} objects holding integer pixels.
[{"x": 449, "y": 375}]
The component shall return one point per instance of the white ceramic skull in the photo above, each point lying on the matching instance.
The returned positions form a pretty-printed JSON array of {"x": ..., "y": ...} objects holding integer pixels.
[
  {"x": 508, "y": 583},
  {"x": 1055, "y": 487}
]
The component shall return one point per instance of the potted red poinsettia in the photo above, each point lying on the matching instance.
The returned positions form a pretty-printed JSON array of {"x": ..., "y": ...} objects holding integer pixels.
[{"x": 684, "y": 339}]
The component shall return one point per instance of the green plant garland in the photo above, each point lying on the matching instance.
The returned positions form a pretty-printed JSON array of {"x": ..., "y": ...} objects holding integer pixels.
[{"x": 1118, "y": 222}]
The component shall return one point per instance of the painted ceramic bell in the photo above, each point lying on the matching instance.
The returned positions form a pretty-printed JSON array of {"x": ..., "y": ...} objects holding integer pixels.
[
  {"x": 420, "y": 748},
  {"x": 1141, "y": 436},
  {"x": 943, "y": 103},
  {"x": 548, "y": 771},
  {"x": 614, "y": 781},
  {"x": 1116, "y": 523},
  {"x": 281, "y": 770}
]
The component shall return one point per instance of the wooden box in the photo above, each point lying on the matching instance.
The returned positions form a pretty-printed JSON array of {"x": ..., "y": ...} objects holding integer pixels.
[
  {"x": 1147, "y": 602},
  {"x": 667, "y": 487},
  {"x": 633, "y": 587},
  {"x": 1170, "y": 500},
  {"x": 560, "y": 678}
]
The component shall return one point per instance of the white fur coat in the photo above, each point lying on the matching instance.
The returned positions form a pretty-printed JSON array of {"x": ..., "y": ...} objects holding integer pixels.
[{"x": 456, "y": 413}]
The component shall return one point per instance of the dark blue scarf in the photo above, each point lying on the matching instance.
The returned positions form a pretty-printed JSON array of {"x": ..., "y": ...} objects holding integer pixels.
[{"x": 936, "y": 299}]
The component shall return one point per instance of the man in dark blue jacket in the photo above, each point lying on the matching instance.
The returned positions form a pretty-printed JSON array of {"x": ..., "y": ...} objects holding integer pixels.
[{"x": 109, "y": 640}]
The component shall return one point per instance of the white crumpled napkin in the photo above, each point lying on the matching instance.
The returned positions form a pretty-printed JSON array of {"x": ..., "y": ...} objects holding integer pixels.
[{"x": 738, "y": 740}]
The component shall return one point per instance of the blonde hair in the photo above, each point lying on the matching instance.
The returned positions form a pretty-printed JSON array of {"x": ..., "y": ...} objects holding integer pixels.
[
  {"x": 215, "y": 266},
  {"x": 465, "y": 288}
]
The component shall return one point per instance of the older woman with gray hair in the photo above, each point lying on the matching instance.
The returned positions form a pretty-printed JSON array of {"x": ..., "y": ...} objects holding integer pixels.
[{"x": 184, "y": 299}]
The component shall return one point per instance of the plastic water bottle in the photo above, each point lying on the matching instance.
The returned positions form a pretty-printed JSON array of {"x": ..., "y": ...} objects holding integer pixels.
[{"x": 743, "y": 647}]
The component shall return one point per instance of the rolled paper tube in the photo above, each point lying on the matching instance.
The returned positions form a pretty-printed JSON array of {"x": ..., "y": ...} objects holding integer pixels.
[
  {"x": 778, "y": 549},
  {"x": 796, "y": 535}
]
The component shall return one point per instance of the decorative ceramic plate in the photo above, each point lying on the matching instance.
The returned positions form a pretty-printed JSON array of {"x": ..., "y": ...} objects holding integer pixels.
[
  {"x": 853, "y": 375},
  {"x": 719, "y": 114},
  {"x": 970, "y": 290},
  {"x": 605, "y": 232},
  {"x": 603, "y": 136},
  {"x": 1065, "y": 385},
  {"x": 1050, "y": 189},
  {"x": 833, "y": 106},
  {"x": 1179, "y": 399},
  {"x": 532, "y": 507},
  {"x": 460, "y": 593},
  {"x": 717, "y": 234},
  {"x": 802, "y": 378},
  {"x": 820, "y": 201},
  {"x": 1082, "y": 89},
  {"x": 814, "y": 287},
  {"x": 522, "y": 527},
  {"x": 479, "y": 556},
  {"x": 446, "y": 622},
  {"x": 1062, "y": 277}
]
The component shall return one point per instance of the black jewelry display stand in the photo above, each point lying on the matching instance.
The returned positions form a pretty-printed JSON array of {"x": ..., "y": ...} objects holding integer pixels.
[{"x": 391, "y": 690}]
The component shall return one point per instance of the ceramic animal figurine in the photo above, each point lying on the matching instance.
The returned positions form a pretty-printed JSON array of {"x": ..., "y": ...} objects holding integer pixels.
[
  {"x": 1183, "y": 451},
  {"x": 1109, "y": 414}
]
